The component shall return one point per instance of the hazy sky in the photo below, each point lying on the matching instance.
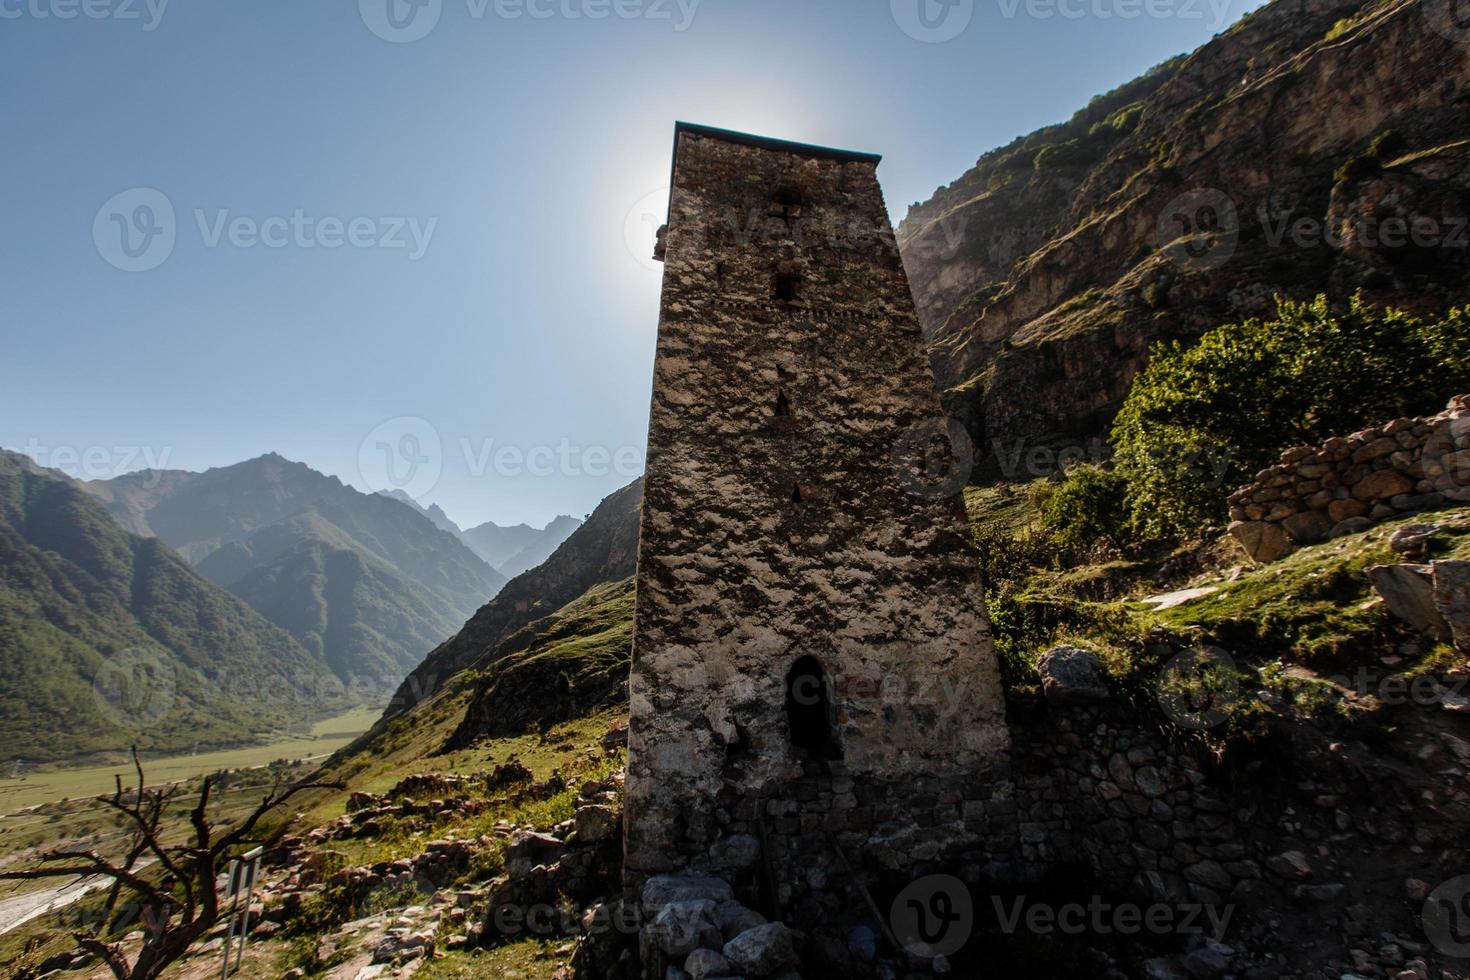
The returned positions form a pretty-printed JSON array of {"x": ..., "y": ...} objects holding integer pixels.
[{"x": 359, "y": 234}]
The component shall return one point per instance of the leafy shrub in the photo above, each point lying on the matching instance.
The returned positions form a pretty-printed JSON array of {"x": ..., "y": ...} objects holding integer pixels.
[
  {"x": 1007, "y": 558},
  {"x": 1201, "y": 420},
  {"x": 1090, "y": 506}
]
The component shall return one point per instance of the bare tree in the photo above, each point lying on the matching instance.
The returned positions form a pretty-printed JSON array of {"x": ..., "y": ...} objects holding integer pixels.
[{"x": 183, "y": 905}]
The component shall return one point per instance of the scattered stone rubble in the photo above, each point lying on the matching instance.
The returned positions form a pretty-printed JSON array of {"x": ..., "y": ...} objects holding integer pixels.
[
  {"x": 572, "y": 868},
  {"x": 1350, "y": 483}
]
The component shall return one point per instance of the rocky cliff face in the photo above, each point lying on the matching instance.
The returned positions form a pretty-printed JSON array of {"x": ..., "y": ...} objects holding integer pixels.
[{"x": 1316, "y": 146}]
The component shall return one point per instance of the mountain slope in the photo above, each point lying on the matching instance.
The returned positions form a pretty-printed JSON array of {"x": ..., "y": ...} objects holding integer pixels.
[
  {"x": 600, "y": 551},
  {"x": 109, "y": 639},
  {"x": 1175, "y": 203},
  {"x": 362, "y": 581},
  {"x": 541, "y": 547},
  {"x": 560, "y": 667},
  {"x": 519, "y": 548}
]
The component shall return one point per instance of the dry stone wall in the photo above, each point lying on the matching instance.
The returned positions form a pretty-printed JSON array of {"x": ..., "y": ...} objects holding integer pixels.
[{"x": 1352, "y": 482}]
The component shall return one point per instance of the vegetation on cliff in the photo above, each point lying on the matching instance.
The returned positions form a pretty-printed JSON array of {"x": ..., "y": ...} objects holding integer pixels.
[{"x": 1202, "y": 418}]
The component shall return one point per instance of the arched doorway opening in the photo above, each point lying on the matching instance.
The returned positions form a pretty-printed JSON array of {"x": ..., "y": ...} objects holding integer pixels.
[{"x": 809, "y": 712}]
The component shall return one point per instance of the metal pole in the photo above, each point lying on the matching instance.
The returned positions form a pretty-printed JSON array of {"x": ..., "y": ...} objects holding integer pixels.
[
  {"x": 234, "y": 896},
  {"x": 252, "y": 862}
]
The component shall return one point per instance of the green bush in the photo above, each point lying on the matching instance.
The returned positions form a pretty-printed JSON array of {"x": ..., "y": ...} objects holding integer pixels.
[
  {"x": 1089, "y": 507},
  {"x": 1200, "y": 421}
]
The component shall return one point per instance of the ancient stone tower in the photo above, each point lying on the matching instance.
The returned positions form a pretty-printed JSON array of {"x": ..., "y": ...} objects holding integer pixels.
[{"x": 812, "y": 664}]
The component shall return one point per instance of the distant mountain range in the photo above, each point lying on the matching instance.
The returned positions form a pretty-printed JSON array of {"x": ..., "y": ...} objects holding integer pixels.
[
  {"x": 363, "y": 583},
  {"x": 109, "y": 638},
  {"x": 509, "y": 550}
]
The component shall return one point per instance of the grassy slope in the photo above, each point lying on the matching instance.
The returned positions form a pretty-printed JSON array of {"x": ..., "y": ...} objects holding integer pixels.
[{"x": 1307, "y": 617}]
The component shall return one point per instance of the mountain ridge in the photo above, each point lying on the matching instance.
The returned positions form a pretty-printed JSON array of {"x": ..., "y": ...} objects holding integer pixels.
[
  {"x": 278, "y": 533},
  {"x": 1045, "y": 273}
]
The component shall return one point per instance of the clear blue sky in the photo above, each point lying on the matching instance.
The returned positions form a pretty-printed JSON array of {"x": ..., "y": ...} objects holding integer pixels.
[{"x": 517, "y": 146}]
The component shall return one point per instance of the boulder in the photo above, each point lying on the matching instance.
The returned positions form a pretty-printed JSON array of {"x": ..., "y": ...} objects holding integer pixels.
[
  {"x": 660, "y": 890},
  {"x": 527, "y": 850},
  {"x": 1452, "y": 600},
  {"x": 1412, "y": 538},
  {"x": 595, "y": 824},
  {"x": 1308, "y": 527},
  {"x": 1071, "y": 675},
  {"x": 1342, "y": 510},
  {"x": 1408, "y": 591},
  {"x": 682, "y": 927},
  {"x": 1382, "y": 484},
  {"x": 764, "y": 950},
  {"x": 704, "y": 964},
  {"x": 735, "y": 918},
  {"x": 1263, "y": 541}
]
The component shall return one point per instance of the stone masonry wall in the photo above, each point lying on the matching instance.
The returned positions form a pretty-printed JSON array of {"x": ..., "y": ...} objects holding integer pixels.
[
  {"x": 1351, "y": 482},
  {"x": 780, "y": 522},
  {"x": 1095, "y": 786}
]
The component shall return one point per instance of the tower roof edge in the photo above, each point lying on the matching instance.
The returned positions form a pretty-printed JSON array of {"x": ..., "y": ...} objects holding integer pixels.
[{"x": 770, "y": 143}]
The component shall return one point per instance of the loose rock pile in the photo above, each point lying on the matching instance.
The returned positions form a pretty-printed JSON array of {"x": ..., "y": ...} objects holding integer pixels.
[
  {"x": 694, "y": 929},
  {"x": 572, "y": 867},
  {"x": 1350, "y": 483}
]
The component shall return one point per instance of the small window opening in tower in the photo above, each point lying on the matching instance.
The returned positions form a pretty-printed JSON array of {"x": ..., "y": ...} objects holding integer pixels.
[
  {"x": 786, "y": 204},
  {"x": 786, "y": 287},
  {"x": 809, "y": 711},
  {"x": 796, "y": 494},
  {"x": 783, "y": 406}
]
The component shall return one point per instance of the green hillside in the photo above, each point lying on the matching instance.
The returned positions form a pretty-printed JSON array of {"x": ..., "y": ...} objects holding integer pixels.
[{"x": 109, "y": 639}]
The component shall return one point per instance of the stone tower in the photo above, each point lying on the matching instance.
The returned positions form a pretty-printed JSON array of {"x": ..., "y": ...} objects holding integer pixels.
[{"x": 812, "y": 663}]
